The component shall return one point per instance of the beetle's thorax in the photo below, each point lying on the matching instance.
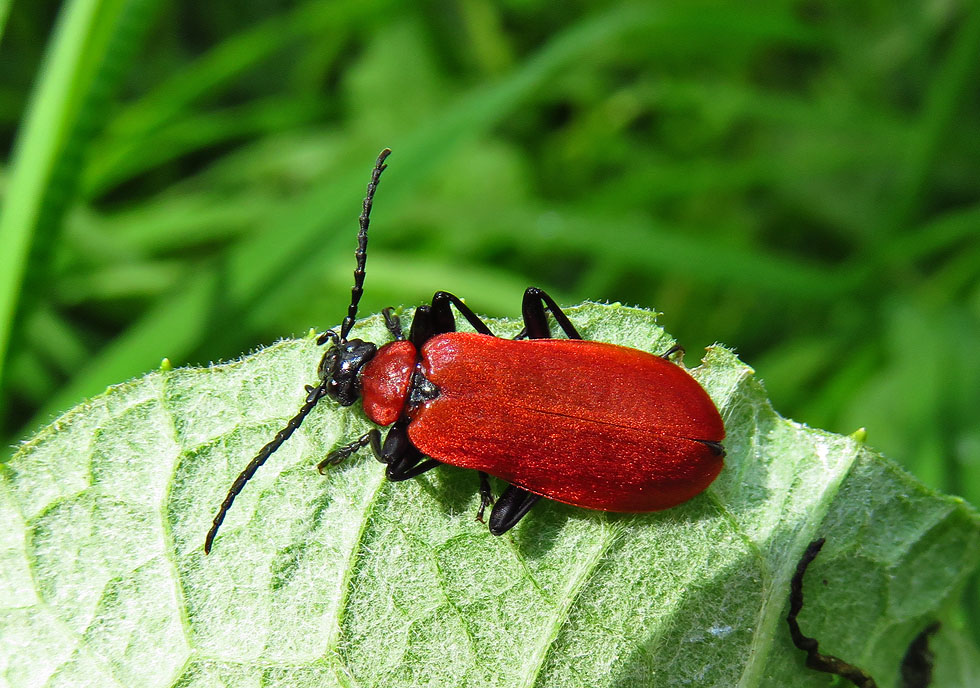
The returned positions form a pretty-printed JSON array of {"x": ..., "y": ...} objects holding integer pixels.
[
  {"x": 386, "y": 381},
  {"x": 342, "y": 365}
]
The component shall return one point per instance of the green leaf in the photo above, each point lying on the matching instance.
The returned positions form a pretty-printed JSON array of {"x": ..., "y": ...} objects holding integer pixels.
[{"x": 349, "y": 580}]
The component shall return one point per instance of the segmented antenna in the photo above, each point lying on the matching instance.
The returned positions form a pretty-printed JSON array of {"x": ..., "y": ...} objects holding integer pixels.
[
  {"x": 316, "y": 393},
  {"x": 361, "y": 252}
]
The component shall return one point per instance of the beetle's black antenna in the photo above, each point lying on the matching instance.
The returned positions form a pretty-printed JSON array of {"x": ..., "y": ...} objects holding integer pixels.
[
  {"x": 315, "y": 394},
  {"x": 361, "y": 253}
]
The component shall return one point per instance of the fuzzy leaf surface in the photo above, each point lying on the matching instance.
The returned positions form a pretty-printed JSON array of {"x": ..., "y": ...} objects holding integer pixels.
[{"x": 349, "y": 580}]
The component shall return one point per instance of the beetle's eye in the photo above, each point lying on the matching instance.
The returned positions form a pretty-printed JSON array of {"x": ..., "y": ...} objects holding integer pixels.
[{"x": 327, "y": 364}]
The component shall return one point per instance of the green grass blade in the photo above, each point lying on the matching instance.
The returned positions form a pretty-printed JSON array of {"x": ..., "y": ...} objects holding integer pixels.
[
  {"x": 4, "y": 13},
  {"x": 947, "y": 90},
  {"x": 48, "y": 122},
  {"x": 89, "y": 50},
  {"x": 201, "y": 130},
  {"x": 123, "y": 145}
]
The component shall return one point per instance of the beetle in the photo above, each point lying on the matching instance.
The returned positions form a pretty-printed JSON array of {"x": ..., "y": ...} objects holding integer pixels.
[{"x": 586, "y": 423}]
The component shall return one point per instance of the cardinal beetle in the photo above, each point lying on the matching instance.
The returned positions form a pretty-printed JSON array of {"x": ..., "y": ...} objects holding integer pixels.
[{"x": 585, "y": 423}]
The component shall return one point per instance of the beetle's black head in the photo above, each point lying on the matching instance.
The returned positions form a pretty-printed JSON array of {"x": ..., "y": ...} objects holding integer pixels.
[{"x": 341, "y": 367}]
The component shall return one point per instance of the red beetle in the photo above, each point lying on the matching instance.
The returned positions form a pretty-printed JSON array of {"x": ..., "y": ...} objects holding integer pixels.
[{"x": 586, "y": 423}]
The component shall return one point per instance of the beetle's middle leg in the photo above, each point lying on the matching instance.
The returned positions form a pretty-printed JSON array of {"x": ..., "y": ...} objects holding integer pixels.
[
  {"x": 442, "y": 314},
  {"x": 437, "y": 319},
  {"x": 409, "y": 467},
  {"x": 515, "y": 502},
  {"x": 536, "y": 320}
]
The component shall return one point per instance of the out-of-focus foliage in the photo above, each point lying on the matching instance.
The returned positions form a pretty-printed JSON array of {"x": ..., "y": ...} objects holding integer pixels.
[{"x": 800, "y": 180}]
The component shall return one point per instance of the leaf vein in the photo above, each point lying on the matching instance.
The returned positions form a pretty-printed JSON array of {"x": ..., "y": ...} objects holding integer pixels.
[
  {"x": 773, "y": 602},
  {"x": 560, "y": 617}
]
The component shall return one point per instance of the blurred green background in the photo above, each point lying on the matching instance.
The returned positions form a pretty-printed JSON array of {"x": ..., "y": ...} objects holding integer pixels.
[{"x": 799, "y": 180}]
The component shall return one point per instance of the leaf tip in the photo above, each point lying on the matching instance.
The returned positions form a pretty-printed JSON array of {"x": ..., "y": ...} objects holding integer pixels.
[{"x": 166, "y": 365}]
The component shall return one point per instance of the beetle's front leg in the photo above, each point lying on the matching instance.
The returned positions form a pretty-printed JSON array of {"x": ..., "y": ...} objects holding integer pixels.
[
  {"x": 393, "y": 323},
  {"x": 396, "y": 444},
  {"x": 372, "y": 437},
  {"x": 403, "y": 458}
]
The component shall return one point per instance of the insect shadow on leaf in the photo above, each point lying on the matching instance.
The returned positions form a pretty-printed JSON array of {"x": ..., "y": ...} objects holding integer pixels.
[{"x": 916, "y": 664}]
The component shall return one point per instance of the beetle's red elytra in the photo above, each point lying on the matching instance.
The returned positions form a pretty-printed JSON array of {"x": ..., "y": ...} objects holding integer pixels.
[
  {"x": 571, "y": 420},
  {"x": 586, "y": 423}
]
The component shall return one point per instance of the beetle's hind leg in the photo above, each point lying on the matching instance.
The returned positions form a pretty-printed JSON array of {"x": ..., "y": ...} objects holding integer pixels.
[
  {"x": 486, "y": 495},
  {"x": 676, "y": 349},
  {"x": 510, "y": 508},
  {"x": 715, "y": 447},
  {"x": 536, "y": 320}
]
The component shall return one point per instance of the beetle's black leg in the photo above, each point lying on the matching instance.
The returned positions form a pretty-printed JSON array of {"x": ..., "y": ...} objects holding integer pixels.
[
  {"x": 442, "y": 315},
  {"x": 486, "y": 495},
  {"x": 510, "y": 508},
  {"x": 535, "y": 319},
  {"x": 522, "y": 334},
  {"x": 393, "y": 323},
  {"x": 403, "y": 458},
  {"x": 396, "y": 444},
  {"x": 673, "y": 350},
  {"x": 409, "y": 466},
  {"x": 422, "y": 327},
  {"x": 372, "y": 437}
]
